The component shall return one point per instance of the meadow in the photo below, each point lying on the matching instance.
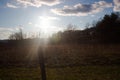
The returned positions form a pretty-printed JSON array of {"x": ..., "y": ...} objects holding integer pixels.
[{"x": 63, "y": 62}]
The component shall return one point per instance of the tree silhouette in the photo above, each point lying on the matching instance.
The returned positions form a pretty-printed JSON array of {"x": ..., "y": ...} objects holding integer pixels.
[
  {"x": 17, "y": 36},
  {"x": 108, "y": 29}
]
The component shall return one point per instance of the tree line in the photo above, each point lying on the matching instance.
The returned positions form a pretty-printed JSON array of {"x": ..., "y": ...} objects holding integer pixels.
[{"x": 106, "y": 30}]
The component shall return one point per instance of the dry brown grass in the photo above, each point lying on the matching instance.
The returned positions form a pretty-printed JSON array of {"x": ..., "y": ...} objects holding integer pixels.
[{"x": 63, "y": 62}]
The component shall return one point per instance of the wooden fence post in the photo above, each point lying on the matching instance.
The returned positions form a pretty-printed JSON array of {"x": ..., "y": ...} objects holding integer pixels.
[{"x": 42, "y": 63}]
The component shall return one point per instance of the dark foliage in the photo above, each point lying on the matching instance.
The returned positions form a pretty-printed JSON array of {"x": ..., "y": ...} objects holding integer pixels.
[{"x": 107, "y": 30}]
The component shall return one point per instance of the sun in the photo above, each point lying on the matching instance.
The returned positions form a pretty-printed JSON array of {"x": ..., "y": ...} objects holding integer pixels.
[{"x": 47, "y": 25}]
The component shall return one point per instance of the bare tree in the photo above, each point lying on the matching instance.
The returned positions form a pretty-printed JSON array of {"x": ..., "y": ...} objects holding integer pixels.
[
  {"x": 71, "y": 27},
  {"x": 17, "y": 36}
]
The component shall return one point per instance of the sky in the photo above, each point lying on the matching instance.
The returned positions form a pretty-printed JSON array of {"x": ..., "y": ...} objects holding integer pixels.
[{"x": 50, "y": 16}]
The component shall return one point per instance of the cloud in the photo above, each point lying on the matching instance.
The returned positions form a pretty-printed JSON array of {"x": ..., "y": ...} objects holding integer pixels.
[
  {"x": 30, "y": 23},
  {"x": 37, "y": 3},
  {"x": 48, "y": 18},
  {"x": 11, "y": 5},
  {"x": 5, "y": 32},
  {"x": 82, "y": 9},
  {"x": 116, "y": 5}
]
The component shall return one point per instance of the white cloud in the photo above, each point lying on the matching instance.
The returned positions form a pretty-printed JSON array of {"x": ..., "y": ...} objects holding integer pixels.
[
  {"x": 37, "y": 3},
  {"x": 5, "y": 29},
  {"x": 5, "y": 32},
  {"x": 30, "y": 23},
  {"x": 11, "y": 5},
  {"x": 82, "y": 9},
  {"x": 48, "y": 18},
  {"x": 116, "y": 5}
]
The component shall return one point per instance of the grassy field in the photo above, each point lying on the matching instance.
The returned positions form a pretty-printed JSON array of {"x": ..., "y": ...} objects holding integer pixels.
[
  {"x": 62, "y": 73},
  {"x": 63, "y": 62}
]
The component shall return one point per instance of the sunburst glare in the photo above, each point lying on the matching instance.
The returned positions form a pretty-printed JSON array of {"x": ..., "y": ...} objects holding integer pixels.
[{"x": 46, "y": 24}]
